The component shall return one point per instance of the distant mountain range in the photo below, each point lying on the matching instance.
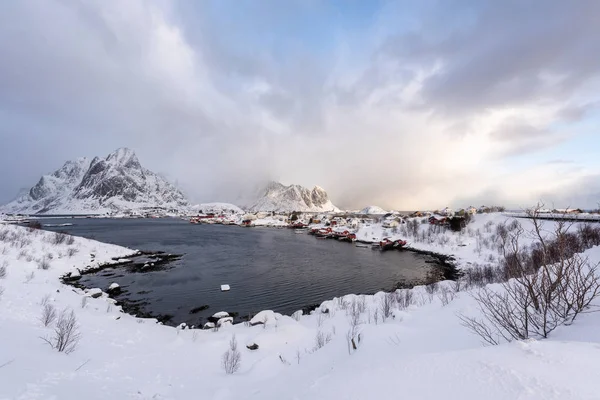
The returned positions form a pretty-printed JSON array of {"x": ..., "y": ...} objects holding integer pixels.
[
  {"x": 119, "y": 184},
  {"x": 116, "y": 183}
]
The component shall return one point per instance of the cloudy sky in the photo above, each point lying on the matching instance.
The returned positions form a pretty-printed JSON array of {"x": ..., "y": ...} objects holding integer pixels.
[{"x": 407, "y": 104}]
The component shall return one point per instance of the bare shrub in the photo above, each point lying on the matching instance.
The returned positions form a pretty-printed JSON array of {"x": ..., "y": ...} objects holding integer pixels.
[
  {"x": 362, "y": 303},
  {"x": 458, "y": 285},
  {"x": 386, "y": 304},
  {"x": 44, "y": 264},
  {"x": 66, "y": 333},
  {"x": 71, "y": 251},
  {"x": 431, "y": 288},
  {"x": 353, "y": 335},
  {"x": 58, "y": 238},
  {"x": 320, "y": 320},
  {"x": 546, "y": 286},
  {"x": 1, "y": 291},
  {"x": 29, "y": 277},
  {"x": 3, "y": 269},
  {"x": 232, "y": 358},
  {"x": 48, "y": 314},
  {"x": 446, "y": 295},
  {"x": 321, "y": 340},
  {"x": 70, "y": 240},
  {"x": 404, "y": 298},
  {"x": 84, "y": 300},
  {"x": 22, "y": 254},
  {"x": 33, "y": 225},
  {"x": 45, "y": 299}
]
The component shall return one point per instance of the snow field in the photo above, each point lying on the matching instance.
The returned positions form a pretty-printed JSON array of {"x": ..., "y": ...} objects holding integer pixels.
[{"x": 419, "y": 350}]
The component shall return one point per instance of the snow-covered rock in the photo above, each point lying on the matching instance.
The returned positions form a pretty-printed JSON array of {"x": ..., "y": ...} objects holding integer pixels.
[
  {"x": 265, "y": 317},
  {"x": 225, "y": 320},
  {"x": 280, "y": 198},
  {"x": 94, "y": 293},
  {"x": 208, "y": 325},
  {"x": 117, "y": 183},
  {"x": 114, "y": 288},
  {"x": 220, "y": 314}
]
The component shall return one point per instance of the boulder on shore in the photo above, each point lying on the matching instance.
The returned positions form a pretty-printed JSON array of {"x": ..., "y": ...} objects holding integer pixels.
[
  {"x": 265, "y": 317},
  {"x": 209, "y": 325},
  {"x": 225, "y": 320},
  {"x": 114, "y": 288},
  {"x": 94, "y": 293}
]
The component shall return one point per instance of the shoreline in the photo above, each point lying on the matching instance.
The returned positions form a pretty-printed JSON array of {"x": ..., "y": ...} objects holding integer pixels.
[{"x": 440, "y": 267}]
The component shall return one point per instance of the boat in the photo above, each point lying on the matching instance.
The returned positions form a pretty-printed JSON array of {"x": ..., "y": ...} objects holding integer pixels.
[
  {"x": 386, "y": 244},
  {"x": 349, "y": 237},
  {"x": 399, "y": 244},
  {"x": 324, "y": 233}
]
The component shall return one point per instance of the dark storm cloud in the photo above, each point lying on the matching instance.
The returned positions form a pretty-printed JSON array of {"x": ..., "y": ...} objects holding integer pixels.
[{"x": 498, "y": 53}]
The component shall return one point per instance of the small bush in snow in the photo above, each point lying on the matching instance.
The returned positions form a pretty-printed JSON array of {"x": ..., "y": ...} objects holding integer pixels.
[
  {"x": 3, "y": 270},
  {"x": 404, "y": 298},
  {"x": 84, "y": 300},
  {"x": 431, "y": 288},
  {"x": 446, "y": 295},
  {"x": 29, "y": 277},
  {"x": 1, "y": 291},
  {"x": 321, "y": 340},
  {"x": 58, "y": 238},
  {"x": 48, "y": 314},
  {"x": 66, "y": 333},
  {"x": 45, "y": 300},
  {"x": 33, "y": 225},
  {"x": 386, "y": 305},
  {"x": 44, "y": 264},
  {"x": 71, "y": 251},
  {"x": 232, "y": 358},
  {"x": 22, "y": 254}
]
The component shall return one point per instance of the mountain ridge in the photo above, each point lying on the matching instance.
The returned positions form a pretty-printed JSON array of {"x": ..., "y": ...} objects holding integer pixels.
[
  {"x": 277, "y": 197},
  {"x": 116, "y": 183}
]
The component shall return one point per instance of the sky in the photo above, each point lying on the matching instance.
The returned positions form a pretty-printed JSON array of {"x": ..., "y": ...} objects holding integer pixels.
[{"x": 401, "y": 104}]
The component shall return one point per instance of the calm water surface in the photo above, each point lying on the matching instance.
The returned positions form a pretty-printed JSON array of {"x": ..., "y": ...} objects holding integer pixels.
[{"x": 267, "y": 268}]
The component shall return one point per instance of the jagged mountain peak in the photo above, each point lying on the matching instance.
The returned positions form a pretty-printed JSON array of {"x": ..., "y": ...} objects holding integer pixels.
[
  {"x": 124, "y": 157},
  {"x": 115, "y": 183},
  {"x": 281, "y": 198}
]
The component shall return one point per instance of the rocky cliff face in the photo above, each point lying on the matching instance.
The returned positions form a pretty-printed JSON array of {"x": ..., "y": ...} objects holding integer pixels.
[
  {"x": 280, "y": 198},
  {"x": 117, "y": 183}
]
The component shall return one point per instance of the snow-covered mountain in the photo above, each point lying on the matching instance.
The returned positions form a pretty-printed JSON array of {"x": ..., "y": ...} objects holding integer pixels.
[
  {"x": 117, "y": 183},
  {"x": 372, "y": 210},
  {"x": 280, "y": 198}
]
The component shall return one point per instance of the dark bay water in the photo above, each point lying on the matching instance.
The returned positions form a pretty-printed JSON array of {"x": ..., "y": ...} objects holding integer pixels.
[{"x": 267, "y": 268}]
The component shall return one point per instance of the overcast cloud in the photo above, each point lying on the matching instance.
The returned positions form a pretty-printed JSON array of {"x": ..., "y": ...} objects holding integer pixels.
[{"x": 401, "y": 104}]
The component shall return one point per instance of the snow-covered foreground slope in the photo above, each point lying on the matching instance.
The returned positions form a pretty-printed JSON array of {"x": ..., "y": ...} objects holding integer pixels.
[{"x": 420, "y": 352}]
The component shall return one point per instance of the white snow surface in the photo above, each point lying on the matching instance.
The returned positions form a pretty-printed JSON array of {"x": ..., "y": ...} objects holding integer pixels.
[{"x": 421, "y": 352}]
